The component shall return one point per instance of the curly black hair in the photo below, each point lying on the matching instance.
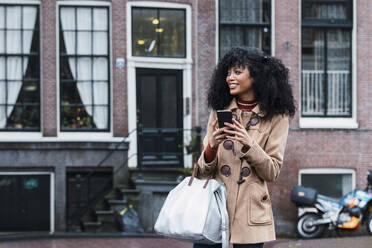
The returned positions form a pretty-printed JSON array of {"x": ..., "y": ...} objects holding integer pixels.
[{"x": 270, "y": 81}]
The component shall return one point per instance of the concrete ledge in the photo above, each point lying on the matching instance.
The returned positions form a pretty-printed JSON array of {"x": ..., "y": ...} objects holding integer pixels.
[
  {"x": 64, "y": 146},
  {"x": 57, "y": 235}
]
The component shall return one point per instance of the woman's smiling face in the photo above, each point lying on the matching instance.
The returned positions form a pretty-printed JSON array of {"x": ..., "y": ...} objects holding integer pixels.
[{"x": 239, "y": 81}]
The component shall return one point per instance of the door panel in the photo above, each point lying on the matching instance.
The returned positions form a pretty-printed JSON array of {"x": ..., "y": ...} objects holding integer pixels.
[
  {"x": 25, "y": 204},
  {"x": 159, "y": 117}
]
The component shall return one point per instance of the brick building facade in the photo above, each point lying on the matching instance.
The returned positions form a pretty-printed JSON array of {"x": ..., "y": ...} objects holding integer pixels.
[{"x": 335, "y": 146}]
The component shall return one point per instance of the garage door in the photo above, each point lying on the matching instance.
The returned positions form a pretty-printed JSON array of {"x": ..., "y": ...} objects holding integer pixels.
[{"x": 25, "y": 202}]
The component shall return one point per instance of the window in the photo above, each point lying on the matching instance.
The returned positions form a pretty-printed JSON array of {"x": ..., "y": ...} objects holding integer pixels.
[
  {"x": 244, "y": 23},
  {"x": 84, "y": 69},
  {"x": 158, "y": 32},
  {"x": 19, "y": 68},
  {"x": 326, "y": 88},
  {"x": 329, "y": 182}
]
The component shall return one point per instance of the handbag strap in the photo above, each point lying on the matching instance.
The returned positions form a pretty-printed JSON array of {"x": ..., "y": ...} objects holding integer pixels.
[{"x": 196, "y": 174}]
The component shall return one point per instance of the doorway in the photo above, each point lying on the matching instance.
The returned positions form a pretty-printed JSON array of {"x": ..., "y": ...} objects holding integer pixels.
[
  {"x": 26, "y": 202},
  {"x": 159, "y": 117}
]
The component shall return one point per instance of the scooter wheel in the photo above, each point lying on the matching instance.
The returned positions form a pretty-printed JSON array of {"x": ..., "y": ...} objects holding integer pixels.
[
  {"x": 369, "y": 224},
  {"x": 307, "y": 231}
]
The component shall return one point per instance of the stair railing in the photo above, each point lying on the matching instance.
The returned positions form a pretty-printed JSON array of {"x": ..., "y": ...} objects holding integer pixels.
[{"x": 107, "y": 187}]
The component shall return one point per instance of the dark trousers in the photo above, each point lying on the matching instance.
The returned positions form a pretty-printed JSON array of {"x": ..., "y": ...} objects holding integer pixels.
[{"x": 259, "y": 245}]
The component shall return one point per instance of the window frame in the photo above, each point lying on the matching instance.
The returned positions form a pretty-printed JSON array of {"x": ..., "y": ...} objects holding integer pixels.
[
  {"x": 100, "y": 134},
  {"x": 328, "y": 171},
  {"x": 331, "y": 122},
  {"x": 158, "y": 14},
  {"x": 36, "y": 132},
  {"x": 270, "y": 25}
]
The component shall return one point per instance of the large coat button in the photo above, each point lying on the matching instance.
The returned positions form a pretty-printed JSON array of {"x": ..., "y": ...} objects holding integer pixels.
[
  {"x": 228, "y": 144},
  {"x": 226, "y": 170},
  {"x": 244, "y": 149},
  {"x": 252, "y": 122},
  {"x": 245, "y": 171}
]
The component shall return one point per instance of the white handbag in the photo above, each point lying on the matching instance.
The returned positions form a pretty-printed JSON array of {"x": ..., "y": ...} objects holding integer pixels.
[{"x": 195, "y": 211}]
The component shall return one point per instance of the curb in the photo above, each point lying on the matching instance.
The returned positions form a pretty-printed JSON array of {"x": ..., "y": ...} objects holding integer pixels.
[{"x": 61, "y": 235}]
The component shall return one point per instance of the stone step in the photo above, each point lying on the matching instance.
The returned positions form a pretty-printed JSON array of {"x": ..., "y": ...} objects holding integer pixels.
[
  {"x": 128, "y": 194},
  {"x": 167, "y": 174},
  {"x": 92, "y": 226},
  {"x": 155, "y": 185},
  {"x": 117, "y": 205},
  {"x": 101, "y": 227},
  {"x": 105, "y": 216}
]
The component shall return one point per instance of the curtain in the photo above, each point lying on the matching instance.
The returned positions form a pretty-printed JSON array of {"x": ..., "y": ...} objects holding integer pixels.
[
  {"x": 91, "y": 91},
  {"x": 241, "y": 11},
  {"x": 329, "y": 11},
  {"x": 15, "y": 72}
]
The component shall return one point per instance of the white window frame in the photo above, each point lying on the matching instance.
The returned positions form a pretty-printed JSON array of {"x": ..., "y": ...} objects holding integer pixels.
[
  {"x": 330, "y": 122},
  {"x": 14, "y": 136},
  {"x": 328, "y": 171},
  {"x": 272, "y": 33},
  {"x": 184, "y": 64},
  {"x": 52, "y": 191},
  {"x": 76, "y": 135}
]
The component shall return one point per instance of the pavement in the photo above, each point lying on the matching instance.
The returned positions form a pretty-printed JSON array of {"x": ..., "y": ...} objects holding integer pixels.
[{"x": 150, "y": 242}]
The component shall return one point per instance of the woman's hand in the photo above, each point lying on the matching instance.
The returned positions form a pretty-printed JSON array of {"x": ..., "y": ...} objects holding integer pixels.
[
  {"x": 217, "y": 136},
  {"x": 240, "y": 133}
]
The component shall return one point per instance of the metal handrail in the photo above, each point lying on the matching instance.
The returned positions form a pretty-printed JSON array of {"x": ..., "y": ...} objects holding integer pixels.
[
  {"x": 80, "y": 211},
  {"x": 91, "y": 203}
]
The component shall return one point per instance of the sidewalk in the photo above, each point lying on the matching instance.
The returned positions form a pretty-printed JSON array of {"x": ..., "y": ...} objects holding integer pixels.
[
  {"x": 344, "y": 242},
  {"x": 357, "y": 242}
]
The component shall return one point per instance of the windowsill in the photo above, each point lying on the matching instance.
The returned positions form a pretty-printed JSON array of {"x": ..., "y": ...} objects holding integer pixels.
[
  {"x": 62, "y": 137},
  {"x": 161, "y": 60},
  {"x": 331, "y": 123},
  {"x": 88, "y": 136}
]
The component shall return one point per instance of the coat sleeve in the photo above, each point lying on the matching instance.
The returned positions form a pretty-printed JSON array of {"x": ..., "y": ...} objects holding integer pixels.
[
  {"x": 268, "y": 161},
  {"x": 208, "y": 168}
]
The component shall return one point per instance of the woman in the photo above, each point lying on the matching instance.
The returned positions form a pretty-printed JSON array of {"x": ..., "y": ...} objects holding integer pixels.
[{"x": 249, "y": 153}]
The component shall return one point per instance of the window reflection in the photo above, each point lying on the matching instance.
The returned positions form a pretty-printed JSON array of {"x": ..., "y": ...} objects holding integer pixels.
[{"x": 158, "y": 32}]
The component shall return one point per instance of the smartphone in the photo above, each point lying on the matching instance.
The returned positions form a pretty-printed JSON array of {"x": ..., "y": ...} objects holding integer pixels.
[{"x": 224, "y": 116}]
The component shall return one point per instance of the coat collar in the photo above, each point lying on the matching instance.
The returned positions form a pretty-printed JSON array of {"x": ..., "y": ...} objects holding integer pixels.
[{"x": 234, "y": 105}]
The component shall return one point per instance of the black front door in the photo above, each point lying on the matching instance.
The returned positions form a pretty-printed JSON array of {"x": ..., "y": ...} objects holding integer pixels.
[
  {"x": 25, "y": 203},
  {"x": 159, "y": 117}
]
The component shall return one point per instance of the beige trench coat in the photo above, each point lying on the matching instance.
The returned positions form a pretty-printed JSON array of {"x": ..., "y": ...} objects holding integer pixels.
[{"x": 248, "y": 204}]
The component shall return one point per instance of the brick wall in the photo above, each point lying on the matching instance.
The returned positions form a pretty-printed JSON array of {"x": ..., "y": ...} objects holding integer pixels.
[{"x": 305, "y": 148}]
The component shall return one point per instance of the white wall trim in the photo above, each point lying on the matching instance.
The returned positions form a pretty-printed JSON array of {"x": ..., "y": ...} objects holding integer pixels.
[
  {"x": 85, "y": 135},
  {"x": 328, "y": 171},
  {"x": 272, "y": 28},
  {"x": 217, "y": 30},
  {"x": 133, "y": 62},
  {"x": 84, "y": 3},
  {"x": 20, "y": 2},
  {"x": 339, "y": 123},
  {"x": 273, "y": 43},
  {"x": 52, "y": 191}
]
